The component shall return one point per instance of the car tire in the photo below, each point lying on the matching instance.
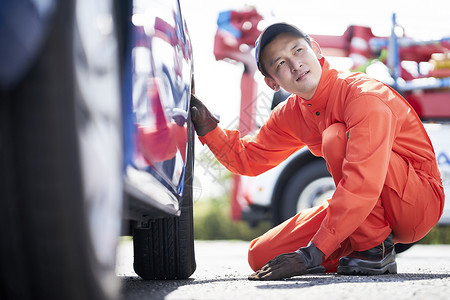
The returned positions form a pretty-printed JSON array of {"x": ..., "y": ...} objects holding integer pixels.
[
  {"x": 304, "y": 188},
  {"x": 164, "y": 248},
  {"x": 60, "y": 151}
]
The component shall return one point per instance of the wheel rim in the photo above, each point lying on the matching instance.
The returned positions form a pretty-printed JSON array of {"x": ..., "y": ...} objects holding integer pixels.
[{"x": 315, "y": 193}]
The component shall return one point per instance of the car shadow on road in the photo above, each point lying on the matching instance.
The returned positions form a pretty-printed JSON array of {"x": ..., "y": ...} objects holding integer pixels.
[
  {"x": 326, "y": 279},
  {"x": 134, "y": 287}
]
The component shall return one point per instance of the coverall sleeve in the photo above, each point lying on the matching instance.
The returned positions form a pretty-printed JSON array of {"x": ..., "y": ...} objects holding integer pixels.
[
  {"x": 250, "y": 155},
  {"x": 371, "y": 127}
]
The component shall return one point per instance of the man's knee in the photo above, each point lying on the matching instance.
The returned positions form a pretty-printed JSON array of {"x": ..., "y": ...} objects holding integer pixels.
[
  {"x": 254, "y": 255},
  {"x": 334, "y": 142}
]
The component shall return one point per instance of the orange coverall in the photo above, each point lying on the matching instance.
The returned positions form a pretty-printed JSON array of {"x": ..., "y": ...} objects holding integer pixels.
[{"x": 377, "y": 151}]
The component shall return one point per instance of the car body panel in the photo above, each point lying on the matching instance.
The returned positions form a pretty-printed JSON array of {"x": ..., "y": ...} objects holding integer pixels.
[
  {"x": 23, "y": 28},
  {"x": 161, "y": 77}
]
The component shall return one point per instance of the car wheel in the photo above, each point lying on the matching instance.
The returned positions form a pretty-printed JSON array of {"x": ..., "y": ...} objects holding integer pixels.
[
  {"x": 60, "y": 147},
  {"x": 308, "y": 187},
  {"x": 164, "y": 248}
]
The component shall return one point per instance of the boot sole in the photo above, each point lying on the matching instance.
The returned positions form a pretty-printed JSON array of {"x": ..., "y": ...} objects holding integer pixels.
[
  {"x": 316, "y": 270},
  {"x": 353, "y": 270}
]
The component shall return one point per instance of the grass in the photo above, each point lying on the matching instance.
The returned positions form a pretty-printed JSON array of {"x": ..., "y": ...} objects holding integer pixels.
[
  {"x": 212, "y": 221},
  {"x": 438, "y": 235}
]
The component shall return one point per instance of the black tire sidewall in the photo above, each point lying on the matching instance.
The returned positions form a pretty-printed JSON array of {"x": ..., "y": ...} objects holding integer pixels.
[
  {"x": 296, "y": 184},
  {"x": 51, "y": 236}
]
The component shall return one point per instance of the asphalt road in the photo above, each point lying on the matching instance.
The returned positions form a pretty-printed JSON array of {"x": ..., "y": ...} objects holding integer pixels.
[{"x": 222, "y": 270}]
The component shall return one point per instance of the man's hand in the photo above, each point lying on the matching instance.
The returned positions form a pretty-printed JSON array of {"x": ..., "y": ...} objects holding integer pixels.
[
  {"x": 203, "y": 120},
  {"x": 305, "y": 260}
]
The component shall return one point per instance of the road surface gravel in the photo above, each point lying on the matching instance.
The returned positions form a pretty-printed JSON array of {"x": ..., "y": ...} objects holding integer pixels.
[{"x": 222, "y": 270}]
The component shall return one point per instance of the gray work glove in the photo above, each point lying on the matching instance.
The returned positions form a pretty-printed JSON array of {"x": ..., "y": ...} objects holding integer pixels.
[
  {"x": 202, "y": 118},
  {"x": 305, "y": 260}
]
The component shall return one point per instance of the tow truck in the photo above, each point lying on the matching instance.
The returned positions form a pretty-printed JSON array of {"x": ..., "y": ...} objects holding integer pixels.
[{"x": 419, "y": 70}]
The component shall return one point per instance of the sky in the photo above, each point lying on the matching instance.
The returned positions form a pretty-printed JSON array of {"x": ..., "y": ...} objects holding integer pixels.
[{"x": 218, "y": 82}]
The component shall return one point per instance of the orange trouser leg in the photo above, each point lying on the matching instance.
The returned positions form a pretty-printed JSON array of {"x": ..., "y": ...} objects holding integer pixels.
[
  {"x": 375, "y": 228},
  {"x": 287, "y": 237},
  {"x": 408, "y": 205},
  {"x": 409, "y": 219},
  {"x": 412, "y": 207}
]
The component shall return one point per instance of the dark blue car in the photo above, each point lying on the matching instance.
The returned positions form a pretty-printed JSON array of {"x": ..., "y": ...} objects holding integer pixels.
[{"x": 95, "y": 141}]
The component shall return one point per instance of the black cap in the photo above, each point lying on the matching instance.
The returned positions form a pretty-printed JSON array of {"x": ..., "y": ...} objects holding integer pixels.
[{"x": 269, "y": 35}]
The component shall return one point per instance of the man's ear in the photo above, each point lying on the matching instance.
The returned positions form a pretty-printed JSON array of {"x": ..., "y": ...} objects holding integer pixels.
[
  {"x": 272, "y": 84},
  {"x": 316, "y": 48}
]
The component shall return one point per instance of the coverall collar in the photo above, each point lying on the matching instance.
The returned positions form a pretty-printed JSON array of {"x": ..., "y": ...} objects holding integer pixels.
[{"x": 320, "y": 98}]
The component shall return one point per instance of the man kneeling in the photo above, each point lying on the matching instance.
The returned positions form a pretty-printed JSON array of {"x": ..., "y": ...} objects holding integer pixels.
[{"x": 388, "y": 186}]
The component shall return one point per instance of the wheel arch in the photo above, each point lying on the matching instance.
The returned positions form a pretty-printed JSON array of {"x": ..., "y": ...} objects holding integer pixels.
[{"x": 293, "y": 166}]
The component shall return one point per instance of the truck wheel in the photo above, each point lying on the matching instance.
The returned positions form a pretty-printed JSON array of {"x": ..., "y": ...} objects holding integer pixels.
[
  {"x": 308, "y": 187},
  {"x": 399, "y": 248},
  {"x": 60, "y": 152},
  {"x": 164, "y": 248}
]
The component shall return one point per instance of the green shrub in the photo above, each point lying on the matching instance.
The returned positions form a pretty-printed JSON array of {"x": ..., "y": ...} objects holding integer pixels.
[
  {"x": 212, "y": 221},
  {"x": 437, "y": 235}
]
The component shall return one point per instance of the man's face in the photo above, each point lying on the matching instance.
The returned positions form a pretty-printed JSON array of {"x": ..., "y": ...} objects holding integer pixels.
[{"x": 292, "y": 65}]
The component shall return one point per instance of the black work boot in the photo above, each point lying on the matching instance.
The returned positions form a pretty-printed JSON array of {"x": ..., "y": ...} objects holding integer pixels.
[{"x": 375, "y": 261}]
